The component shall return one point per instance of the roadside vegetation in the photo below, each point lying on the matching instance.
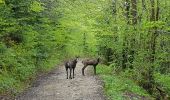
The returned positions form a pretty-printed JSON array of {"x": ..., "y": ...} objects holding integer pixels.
[
  {"x": 119, "y": 86},
  {"x": 132, "y": 38}
]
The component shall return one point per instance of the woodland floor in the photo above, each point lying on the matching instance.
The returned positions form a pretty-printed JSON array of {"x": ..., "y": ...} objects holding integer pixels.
[{"x": 55, "y": 86}]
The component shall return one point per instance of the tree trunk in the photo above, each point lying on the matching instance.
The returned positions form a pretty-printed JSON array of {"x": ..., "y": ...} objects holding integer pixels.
[
  {"x": 125, "y": 49},
  {"x": 143, "y": 4},
  {"x": 134, "y": 12},
  {"x": 127, "y": 10},
  {"x": 84, "y": 43},
  {"x": 132, "y": 40},
  {"x": 153, "y": 17}
]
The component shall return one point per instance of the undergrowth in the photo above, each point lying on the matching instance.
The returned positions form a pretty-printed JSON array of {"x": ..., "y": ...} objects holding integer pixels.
[
  {"x": 18, "y": 79},
  {"x": 118, "y": 87}
]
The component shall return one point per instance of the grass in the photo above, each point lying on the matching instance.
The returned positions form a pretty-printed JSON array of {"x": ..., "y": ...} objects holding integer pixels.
[
  {"x": 116, "y": 86},
  {"x": 164, "y": 81}
]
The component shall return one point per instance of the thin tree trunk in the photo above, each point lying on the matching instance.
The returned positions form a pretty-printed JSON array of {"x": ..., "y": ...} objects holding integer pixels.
[
  {"x": 134, "y": 12},
  {"x": 125, "y": 49},
  {"x": 153, "y": 17},
  {"x": 143, "y": 4},
  {"x": 132, "y": 40},
  {"x": 84, "y": 43},
  {"x": 127, "y": 10}
]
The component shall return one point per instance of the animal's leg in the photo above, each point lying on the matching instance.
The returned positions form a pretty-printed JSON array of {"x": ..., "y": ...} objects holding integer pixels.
[
  {"x": 67, "y": 71},
  {"x": 73, "y": 72},
  {"x": 83, "y": 69},
  {"x": 94, "y": 70},
  {"x": 70, "y": 73}
]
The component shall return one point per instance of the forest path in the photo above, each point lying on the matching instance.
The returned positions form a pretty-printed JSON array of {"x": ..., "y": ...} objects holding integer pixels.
[{"x": 55, "y": 86}]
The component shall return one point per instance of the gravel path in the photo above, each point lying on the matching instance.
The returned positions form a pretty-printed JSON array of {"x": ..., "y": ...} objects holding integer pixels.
[{"x": 55, "y": 86}]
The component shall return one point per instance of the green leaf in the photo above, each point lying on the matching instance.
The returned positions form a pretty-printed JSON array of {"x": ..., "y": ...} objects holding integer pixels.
[
  {"x": 2, "y": 1},
  {"x": 37, "y": 6}
]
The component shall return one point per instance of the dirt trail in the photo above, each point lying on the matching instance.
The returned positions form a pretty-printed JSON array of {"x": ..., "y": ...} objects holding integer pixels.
[{"x": 55, "y": 86}]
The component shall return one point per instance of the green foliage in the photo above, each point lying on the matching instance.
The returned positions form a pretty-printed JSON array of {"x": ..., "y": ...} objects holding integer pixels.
[
  {"x": 1, "y": 1},
  {"x": 136, "y": 49},
  {"x": 37, "y": 6},
  {"x": 30, "y": 42},
  {"x": 117, "y": 86},
  {"x": 164, "y": 81},
  {"x": 102, "y": 69},
  {"x": 134, "y": 42}
]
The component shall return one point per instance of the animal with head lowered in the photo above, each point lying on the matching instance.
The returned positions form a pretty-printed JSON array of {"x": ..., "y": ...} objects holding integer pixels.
[{"x": 92, "y": 62}]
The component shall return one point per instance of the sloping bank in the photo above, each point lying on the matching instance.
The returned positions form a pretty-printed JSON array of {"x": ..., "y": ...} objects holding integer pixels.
[
  {"x": 17, "y": 79},
  {"x": 119, "y": 87}
]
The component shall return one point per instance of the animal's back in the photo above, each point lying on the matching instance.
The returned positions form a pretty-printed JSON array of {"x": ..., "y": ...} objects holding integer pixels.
[
  {"x": 71, "y": 64},
  {"x": 90, "y": 61},
  {"x": 67, "y": 64}
]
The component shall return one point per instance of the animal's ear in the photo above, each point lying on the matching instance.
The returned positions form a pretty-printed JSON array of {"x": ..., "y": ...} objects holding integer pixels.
[
  {"x": 99, "y": 58},
  {"x": 77, "y": 58}
]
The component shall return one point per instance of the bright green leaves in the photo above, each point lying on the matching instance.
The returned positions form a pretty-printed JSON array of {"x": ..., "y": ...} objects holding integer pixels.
[
  {"x": 155, "y": 24},
  {"x": 37, "y": 6},
  {"x": 1, "y": 1},
  {"x": 29, "y": 40},
  {"x": 79, "y": 23}
]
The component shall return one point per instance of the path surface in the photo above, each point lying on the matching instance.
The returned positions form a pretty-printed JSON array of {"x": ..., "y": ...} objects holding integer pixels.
[{"x": 55, "y": 86}]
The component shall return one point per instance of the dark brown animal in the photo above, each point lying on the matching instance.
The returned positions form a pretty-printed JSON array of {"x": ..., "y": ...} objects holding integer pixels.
[
  {"x": 92, "y": 62},
  {"x": 71, "y": 65}
]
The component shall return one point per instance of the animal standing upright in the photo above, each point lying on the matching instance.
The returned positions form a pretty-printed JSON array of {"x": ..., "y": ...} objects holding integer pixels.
[
  {"x": 71, "y": 64},
  {"x": 93, "y": 62}
]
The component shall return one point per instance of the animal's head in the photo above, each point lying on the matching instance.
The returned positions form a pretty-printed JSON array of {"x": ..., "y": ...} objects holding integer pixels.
[
  {"x": 98, "y": 59},
  {"x": 76, "y": 59}
]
